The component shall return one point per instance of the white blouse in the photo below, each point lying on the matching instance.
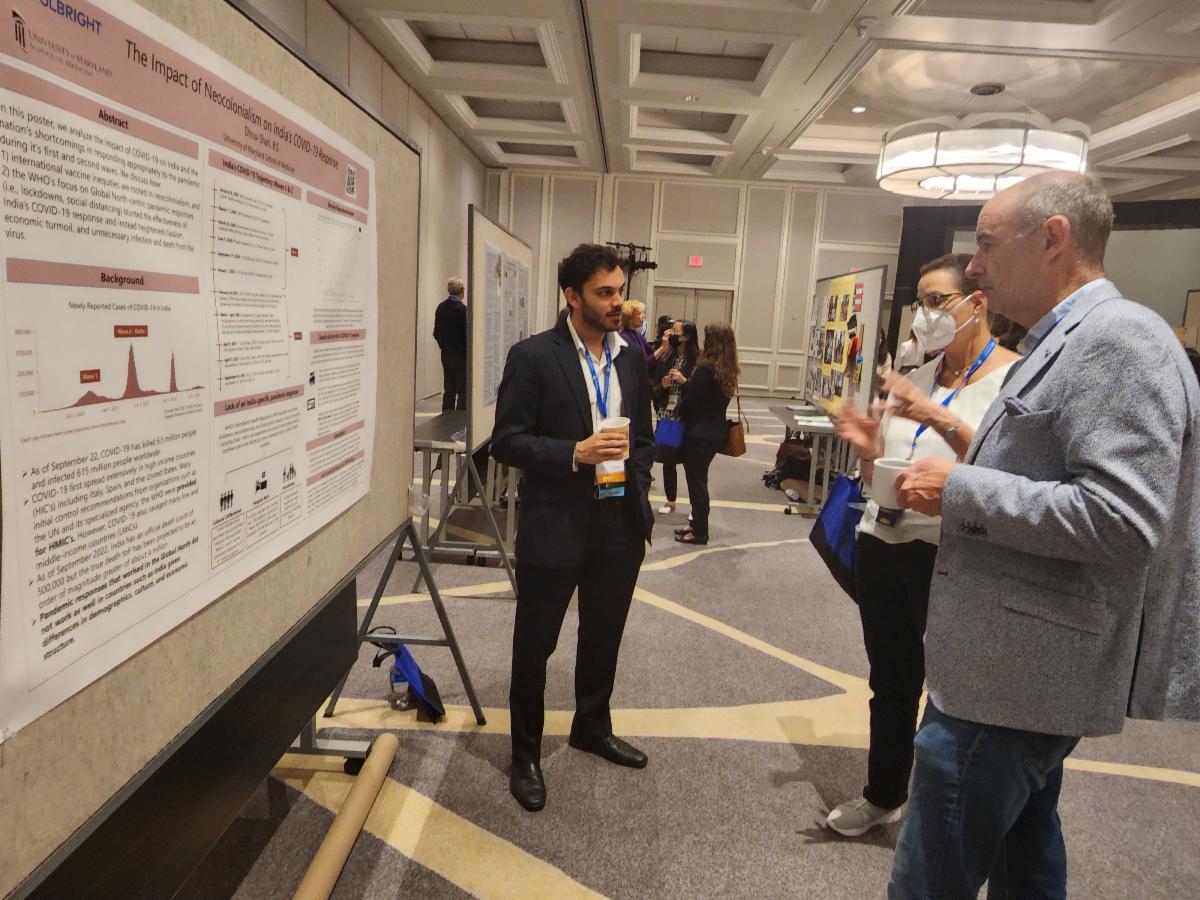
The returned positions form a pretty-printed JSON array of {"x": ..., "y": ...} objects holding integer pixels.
[{"x": 969, "y": 405}]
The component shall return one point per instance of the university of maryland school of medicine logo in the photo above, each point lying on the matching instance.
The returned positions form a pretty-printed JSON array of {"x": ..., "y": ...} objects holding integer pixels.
[{"x": 19, "y": 30}]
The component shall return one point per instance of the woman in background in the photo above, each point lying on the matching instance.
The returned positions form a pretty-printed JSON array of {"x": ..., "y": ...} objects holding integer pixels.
[
  {"x": 633, "y": 330},
  {"x": 934, "y": 412},
  {"x": 704, "y": 400},
  {"x": 674, "y": 368}
]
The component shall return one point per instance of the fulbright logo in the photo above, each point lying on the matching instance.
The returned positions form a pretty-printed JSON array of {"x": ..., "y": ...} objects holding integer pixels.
[{"x": 19, "y": 30}]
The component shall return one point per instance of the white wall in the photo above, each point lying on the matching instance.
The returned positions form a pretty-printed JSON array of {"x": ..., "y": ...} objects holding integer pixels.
[
  {"x": 767, "y": 243},
  {"x": 451, "y": 175},
  {"x": 1156, "y": 267}
]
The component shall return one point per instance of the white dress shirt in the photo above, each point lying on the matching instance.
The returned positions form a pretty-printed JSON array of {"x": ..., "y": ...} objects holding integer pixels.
[{"x": 616, "y": 344}]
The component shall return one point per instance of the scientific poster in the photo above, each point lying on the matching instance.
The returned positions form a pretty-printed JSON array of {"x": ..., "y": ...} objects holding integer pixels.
[
  {"x": 506, "y": 314},
  {"x": 188, "y": 278}
]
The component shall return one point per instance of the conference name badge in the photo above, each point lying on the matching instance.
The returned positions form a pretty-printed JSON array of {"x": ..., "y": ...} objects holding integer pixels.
[{"x": 610, "y": 479}]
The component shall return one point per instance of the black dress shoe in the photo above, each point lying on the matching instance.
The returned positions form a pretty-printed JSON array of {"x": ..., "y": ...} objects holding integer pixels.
[
  {"x": 611, "y": 748},
  {"x": 527, "y": 785}
]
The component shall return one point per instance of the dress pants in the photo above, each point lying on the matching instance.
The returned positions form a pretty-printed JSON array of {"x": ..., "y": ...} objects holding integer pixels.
[
  {"x": 698, "y": 455},
  {"x": 605, "y": 578},
  {"x": 454, "y": 381},
  {"x": 670, "y": 481},
  {"x": 892, "y": 582}
]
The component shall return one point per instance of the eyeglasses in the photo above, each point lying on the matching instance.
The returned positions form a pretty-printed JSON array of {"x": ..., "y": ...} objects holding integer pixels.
[{"x": 934, "y": 301}]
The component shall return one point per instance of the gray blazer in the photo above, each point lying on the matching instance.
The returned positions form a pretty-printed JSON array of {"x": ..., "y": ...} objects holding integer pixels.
[{"x": 1066, "y": 592}]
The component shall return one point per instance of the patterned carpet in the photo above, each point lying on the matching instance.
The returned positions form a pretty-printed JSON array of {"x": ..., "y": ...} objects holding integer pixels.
[{"x": 742, "y": 676}]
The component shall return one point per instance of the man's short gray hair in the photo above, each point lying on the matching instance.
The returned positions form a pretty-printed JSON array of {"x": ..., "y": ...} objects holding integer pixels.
[
  {"x": 455, "y": 286},
  {"x": 1079, "y": 198}
]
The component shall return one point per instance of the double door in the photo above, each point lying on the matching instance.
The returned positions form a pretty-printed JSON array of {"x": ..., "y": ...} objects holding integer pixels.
[{"x": 699, "y": 305}]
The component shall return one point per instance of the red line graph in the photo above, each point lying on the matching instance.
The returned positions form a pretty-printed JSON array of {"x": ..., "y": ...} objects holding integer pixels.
[{"x": 133, "y": 387}]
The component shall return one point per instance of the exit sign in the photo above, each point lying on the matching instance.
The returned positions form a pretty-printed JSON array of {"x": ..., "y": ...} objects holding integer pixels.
[{"x": 695, "y": 261}]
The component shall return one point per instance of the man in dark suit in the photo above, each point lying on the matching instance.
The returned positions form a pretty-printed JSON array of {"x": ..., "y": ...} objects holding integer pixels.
[
  {"x": 450, "y": 331},
  {"x": 585, "y": 516}
]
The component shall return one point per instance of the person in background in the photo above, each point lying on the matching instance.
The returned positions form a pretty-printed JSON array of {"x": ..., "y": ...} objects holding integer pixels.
[
  {"x": 450, "y": 332},
  {"x": 581, "y": 529},
  {"x": 672, "y": 374},
  {"x": 1066, "y": 593},
  {"x": 662, "y": 338},
  {"x": 911, "y": 354},
  {"x": 703, "y": 403},
  {"x": 933, "y": 413},
  {"x": 883, "y": 359},
  {"x": 1008, "y": 334},
  {"x": 633, "y": 330}
]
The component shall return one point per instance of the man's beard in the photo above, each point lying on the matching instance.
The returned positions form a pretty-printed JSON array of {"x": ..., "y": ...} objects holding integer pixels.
[{"x": 596, "y": 320}]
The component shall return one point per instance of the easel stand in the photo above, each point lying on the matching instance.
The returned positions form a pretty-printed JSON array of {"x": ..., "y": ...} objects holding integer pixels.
[
  {"x": 456, "y": 501},
  {"x": 409, "y": 533}
]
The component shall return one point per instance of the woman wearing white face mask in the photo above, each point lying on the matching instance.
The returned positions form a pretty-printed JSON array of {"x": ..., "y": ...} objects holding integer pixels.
[{"x": 932, "y": 412}]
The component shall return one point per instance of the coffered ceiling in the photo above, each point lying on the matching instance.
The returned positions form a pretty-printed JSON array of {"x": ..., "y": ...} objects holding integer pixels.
[{"x": 767, "y": 89}]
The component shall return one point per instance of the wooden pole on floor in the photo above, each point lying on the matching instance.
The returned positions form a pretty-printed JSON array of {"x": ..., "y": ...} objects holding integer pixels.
[{"x": 331, "y": 856}]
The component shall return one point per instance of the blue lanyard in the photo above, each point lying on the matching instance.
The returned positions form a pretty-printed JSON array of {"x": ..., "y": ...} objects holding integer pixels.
[
  {"x": 987, "y": 351},
  {"x": 601, "y": 401}
]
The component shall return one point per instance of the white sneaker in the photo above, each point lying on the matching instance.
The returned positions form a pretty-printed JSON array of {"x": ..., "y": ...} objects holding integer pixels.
[
  {"x": 859, "y": 816},
  {"x": 666, "y": 509}
]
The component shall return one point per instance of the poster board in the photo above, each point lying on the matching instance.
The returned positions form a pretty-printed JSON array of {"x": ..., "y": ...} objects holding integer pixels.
[
  {"x": 497, "y": 315},
  {"x": 844, "y": 328},
  {"x": 158, "y": 680}
]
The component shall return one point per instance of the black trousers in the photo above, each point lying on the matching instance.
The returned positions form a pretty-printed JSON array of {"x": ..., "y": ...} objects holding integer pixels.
[
  {"x": 670, "y": 481},
  {"x": 605, "y": 579},
  {"x": 893, "y": 601},
  {"x": 454, "y": 381},
  {"x": 697, "y": 458}
]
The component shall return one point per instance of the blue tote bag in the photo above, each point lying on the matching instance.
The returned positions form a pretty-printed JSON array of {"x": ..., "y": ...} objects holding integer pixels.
[{"x": 833, "y": 534}]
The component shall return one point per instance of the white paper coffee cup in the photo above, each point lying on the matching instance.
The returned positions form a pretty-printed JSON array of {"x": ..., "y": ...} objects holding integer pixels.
[
  {"x": 617, "y": 423},
  {"x": 883, "y": 481}
]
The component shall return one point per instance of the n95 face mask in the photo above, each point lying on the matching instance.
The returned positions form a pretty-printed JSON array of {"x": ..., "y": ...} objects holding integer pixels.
[{"x": 936, "y": 328}]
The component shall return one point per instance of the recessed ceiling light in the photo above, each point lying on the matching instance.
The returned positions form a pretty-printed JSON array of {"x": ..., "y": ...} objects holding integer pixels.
[
  {"x": 858, "y": 109},
  {"x": 692, "y": 98}
]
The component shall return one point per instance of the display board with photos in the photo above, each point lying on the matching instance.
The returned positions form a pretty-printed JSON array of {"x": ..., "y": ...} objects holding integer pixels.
[{"x": 843, "y": 336}]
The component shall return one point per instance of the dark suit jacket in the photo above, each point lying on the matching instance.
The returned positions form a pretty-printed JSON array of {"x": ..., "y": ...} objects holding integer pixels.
[
  {"x": 542, "y": 411},
  {"x": 450, "y": 326},
  {"x": 702, "y": 407}
]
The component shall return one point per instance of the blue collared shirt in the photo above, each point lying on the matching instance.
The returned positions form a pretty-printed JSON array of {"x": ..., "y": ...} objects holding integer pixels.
[{"x": 1046, "y": 323}]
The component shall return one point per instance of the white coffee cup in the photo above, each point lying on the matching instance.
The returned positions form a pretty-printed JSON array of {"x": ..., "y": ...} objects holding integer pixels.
[
  {"x": 883, "y": 481},
  {"x": 617, "y": 423}
]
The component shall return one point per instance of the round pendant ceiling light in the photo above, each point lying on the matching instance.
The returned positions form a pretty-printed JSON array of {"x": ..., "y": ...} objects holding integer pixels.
[{"x": 973, "y": 157}]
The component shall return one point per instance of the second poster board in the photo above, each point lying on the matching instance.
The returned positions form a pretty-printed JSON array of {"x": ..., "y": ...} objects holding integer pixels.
[
  {"x": 498, "y": 277},
  {"x": 844, "y": 337}
]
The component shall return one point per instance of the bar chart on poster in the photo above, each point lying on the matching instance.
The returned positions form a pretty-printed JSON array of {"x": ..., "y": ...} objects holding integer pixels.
[{"x": 188, "y": 332}]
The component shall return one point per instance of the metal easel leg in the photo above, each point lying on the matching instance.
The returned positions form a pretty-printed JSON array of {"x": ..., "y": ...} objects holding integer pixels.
[
  {"x": 447, "y": 629},
  {"x": 365, "y": 627},
  {"x": 487, "y": 508},
  {"x": 410, "y": 533}
]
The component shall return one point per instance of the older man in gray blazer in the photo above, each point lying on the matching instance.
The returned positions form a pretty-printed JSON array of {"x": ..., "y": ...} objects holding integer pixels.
[{"x": 1066, "y": 592}]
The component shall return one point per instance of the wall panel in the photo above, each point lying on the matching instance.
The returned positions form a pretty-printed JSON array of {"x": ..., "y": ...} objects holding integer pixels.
[
  {"x": 797, "y": 288},
  {"x": 633, "y": 214},
  {"x": 719, "y": 267},
  {"x": 699, "y": 208},
  {"x": 862, "y": 218},
  {"x": 765, "y": 208},
  {"x": 527, "y": 225}
]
